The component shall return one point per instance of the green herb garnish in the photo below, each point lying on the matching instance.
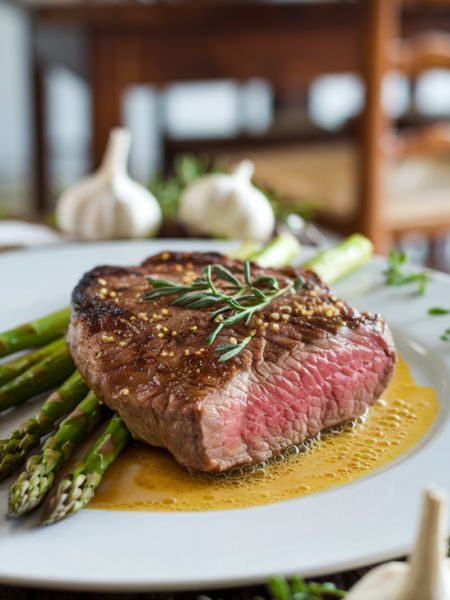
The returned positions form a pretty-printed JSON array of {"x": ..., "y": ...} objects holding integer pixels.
[
  {"x": 299, "y": 590},
  {"x": 438, "y": 311},
  {"x": 229, "y": 350},
  {"x": 395, "y": 276},
  {"x": 280, "y": 589},
  {"x": 244, "y": 299}
]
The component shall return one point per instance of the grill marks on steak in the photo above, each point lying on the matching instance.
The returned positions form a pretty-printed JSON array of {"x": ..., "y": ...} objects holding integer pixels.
[{"x": 324, "y": 365}]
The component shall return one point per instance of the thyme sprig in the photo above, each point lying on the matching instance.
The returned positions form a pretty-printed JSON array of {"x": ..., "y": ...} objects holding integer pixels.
[
  {"x": 395, "y": 275},
  {"x": 243, "y": 299}
]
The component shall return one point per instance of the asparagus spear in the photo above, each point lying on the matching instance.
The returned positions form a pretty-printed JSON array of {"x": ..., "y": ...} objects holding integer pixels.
[
  {"x": 14, "y": 368},
  {"x": 276, "y": 254},
  {"x": 31, "y": 487},
  {"x": 330, "y": 265},
  {"x": 78, "y": 488},
  {"x": 46, "y": 374},
  {"x": 37, "y": 333},
  {"x": 341, "y": 260},
  {"x": 14, "y": 450}
]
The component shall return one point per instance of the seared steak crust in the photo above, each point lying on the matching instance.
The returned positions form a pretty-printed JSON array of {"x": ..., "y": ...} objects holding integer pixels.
[{"x": 312, "y": 362}]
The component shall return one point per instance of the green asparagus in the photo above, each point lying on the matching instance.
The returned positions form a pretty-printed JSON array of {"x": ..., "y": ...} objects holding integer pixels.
[
  {"x": 31, "y": 487},
  {"x": 330, "y": 265},
  {"x": 37, "y": 333},
  {"x": 78, "y": 488},
  {"x": 346, "y": 257},
  {"x": 46, "y": 374},
  {"x": 11, "y": 370},
  {"x": 276, "y": 254},
  {"x": 14, "y": 450}
]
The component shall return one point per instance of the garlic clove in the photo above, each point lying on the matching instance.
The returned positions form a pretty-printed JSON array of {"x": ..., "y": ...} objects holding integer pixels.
[
  {"x": 429, "y": 578},
  {"x": 245, "y": 169},
  {"x": 227, "y": 205},
  {"x": 384, "y": 582},
  {"x": 134, "y": 201},
  {"x": 426, "y": 576},
  {"x": 109, "y": 204}
]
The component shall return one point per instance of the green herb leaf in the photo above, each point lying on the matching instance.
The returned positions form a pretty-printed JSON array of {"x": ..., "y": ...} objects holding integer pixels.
[
  {"x": 298, "y": 585},
  {"x": 438, "y": 311},
  {"x": 225, "y": 347},
  {"x": 445, "y": 337},
  {"x": 279, "y": 588},
  {"x": 258, "y": 293},
  {"x": 204, "y": 302},
  {"x": 227, "y": 354},
  {"x": 395, "y": 276},
  {"x": 269, "y": 279},
  {"x": 161, "y": 283},
  {"x": 212, "y": 336},
  {"x": 186, "y": 298},
  {"x": 247, "y": 272},
  {"x": 299, "y": 283},
  {"x": 225, "y": 274}
]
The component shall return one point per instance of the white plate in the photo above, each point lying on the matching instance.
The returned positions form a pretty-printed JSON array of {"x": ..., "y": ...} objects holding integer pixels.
[{"x": 369, "y": 520}]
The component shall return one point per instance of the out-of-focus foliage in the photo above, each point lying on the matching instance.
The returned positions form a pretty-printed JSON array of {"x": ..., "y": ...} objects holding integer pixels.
[{"x": 189, "y": 167}]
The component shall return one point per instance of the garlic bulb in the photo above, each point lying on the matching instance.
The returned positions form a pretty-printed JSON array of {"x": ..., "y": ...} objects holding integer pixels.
[
  {"x": 109, "y": 204},
  {"x": 426, "y": 576},
  {"x": 227, "y": 205}
]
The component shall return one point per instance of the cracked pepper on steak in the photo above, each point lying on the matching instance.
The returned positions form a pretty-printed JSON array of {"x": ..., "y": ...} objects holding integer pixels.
[{"x": 313, "y": 362}]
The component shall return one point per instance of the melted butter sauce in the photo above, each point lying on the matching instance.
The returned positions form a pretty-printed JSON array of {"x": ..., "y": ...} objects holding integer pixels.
[{"x": 145, "y": 478}]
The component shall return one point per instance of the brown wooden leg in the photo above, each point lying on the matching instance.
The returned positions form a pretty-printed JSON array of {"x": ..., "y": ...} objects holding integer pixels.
[
  {"x": 380, "y": 26},
  {"x": 106, "y": 106},
  {"x": 116, "y": 65}
]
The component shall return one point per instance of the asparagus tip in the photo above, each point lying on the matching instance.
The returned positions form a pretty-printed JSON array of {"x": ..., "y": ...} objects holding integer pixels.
[{"x": 72, "y": 494}]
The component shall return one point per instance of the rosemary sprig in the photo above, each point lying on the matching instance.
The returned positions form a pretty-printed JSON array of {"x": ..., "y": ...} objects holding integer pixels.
[
  {"x": 230, "y": 350},
  {"x": 395, "y": 276},
  {"x": 243, "y": 300}
]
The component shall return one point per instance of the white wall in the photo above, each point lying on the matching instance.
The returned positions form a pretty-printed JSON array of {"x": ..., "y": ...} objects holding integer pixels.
[{"x": 15, "y": 103}]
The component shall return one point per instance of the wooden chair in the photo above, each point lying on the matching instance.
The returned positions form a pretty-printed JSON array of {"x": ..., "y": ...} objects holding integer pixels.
[
  {"x": 385, "y": 218},
  {"x": 359, "y": 184}
]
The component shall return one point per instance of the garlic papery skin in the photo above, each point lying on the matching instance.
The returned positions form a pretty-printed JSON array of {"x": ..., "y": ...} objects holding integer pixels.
[
  {"x": 109, "y": 204},
  {"x": 227, "y": 205},
  {"x": 426, "y": 575}
]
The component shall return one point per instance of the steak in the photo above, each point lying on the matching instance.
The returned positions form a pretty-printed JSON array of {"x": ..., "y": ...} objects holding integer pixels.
[{"x": 312, "y": 362}]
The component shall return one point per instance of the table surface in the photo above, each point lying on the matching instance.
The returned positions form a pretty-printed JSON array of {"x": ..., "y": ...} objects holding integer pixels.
[{"x": 341, "y": 580}]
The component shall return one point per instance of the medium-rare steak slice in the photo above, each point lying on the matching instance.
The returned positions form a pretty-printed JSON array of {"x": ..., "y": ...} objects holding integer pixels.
[{"x": 312, "y": 362}]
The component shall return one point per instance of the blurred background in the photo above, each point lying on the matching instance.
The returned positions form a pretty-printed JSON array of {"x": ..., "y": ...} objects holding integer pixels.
[{"x": 343, "y": 106}]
